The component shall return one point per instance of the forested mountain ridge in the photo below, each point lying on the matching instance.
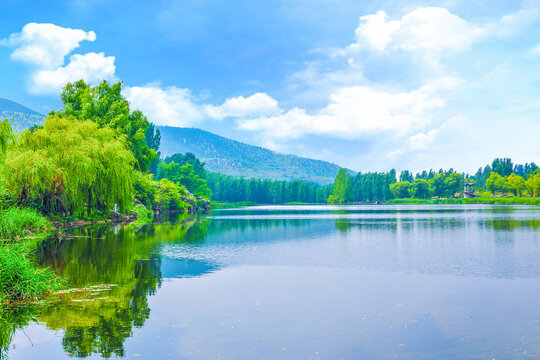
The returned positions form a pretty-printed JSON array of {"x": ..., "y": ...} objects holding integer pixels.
[
  {"x": 235, "y": 158},
  {"x": 221, "y": 154},
  {"x": 20, "y": 116}
]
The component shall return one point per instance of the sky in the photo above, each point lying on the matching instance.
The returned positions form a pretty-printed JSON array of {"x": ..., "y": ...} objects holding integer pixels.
[{"x": 369, "y": 85}]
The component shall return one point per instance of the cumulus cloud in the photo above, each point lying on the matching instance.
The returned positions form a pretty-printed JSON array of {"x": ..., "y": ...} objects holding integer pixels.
[
  {"x": 170, "y": 106},
  {"x": 45, "y": 46},
  {"x": 430, "y": 29},
  {"x": 90, "y": 67},
  {"x": 355, "y": 112},
  {"x": 173, "y": 106},
  {"x": 259, "y": 104}
]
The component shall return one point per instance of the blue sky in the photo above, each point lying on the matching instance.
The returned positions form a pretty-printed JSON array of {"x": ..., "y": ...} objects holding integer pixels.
[{"x": 370, "y": 85}]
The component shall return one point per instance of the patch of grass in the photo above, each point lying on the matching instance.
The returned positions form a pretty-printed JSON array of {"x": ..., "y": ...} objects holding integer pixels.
[
  {"x": 514, "y": 200},
  {"x": 18, "y": 223},
  {"x": 232, "y": 205},
  {"x": 408, "y": 201},
  {"x": 20, "y": 279}
]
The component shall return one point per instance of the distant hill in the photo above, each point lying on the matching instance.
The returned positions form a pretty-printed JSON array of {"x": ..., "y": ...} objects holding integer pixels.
[
  {"x": 239, "y": 159},
  {"x": 220, "y": 154},
  {"x": 21, "y": 116}
]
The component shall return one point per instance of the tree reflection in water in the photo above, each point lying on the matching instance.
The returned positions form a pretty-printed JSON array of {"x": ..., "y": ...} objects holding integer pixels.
[{"x": 117, "y": 268}]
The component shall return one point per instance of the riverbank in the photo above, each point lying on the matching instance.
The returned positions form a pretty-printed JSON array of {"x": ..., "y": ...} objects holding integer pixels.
[
  {"x": 232, "y": 205},
  {"x": 513, "y": 200},
  {"x": 20, "y": 279}
]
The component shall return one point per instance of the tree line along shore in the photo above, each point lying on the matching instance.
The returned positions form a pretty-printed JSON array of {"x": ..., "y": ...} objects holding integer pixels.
[{"x": 97, "y": 160}]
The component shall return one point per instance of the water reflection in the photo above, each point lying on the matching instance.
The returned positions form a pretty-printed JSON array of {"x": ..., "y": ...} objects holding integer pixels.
[
  {"x": 340, "y": 276},
  {"x": 118, "y": 268}
]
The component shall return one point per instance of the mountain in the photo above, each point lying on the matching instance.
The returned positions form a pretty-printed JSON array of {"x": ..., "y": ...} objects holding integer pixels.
[
  {"x": 239, "y": 159},
  {"x": 21, "y": 116},
  {"x": 220, "y": 154}
]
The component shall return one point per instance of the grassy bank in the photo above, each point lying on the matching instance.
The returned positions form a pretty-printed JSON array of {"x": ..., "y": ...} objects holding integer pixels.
[
  {"x": 232, "y": 205},
  {"x": 20, "y": 278},
  {"x": 18, "y": 223},
  {"x": 514, "y": 200}
]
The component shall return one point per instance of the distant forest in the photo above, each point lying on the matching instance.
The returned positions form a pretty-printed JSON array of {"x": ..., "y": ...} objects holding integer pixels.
[{"x": 501, "y": 176}]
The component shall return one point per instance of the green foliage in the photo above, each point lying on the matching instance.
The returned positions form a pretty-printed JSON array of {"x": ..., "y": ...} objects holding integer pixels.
[
  {"x": 453, "y": 184},
  {"x": 105, "y": 105},
  {"x": 153, "y": 140},
  {"x": 502, "y": 166},
  {"x": 516, "y": 183},
  {"x": 19, "y": 278},
  {"x": 342, "y": 191},
  {"x": 406, "y": 175},
  {"x": 400, "y": 189},
  {"x": 6, "y": 136},
  {"x": 169, "y": 196},
  {"x": 70, "y": 167},
  {"x": 264, "y": 191},
  {"x": 163, "y": 195},
  {"x": 533, "y": 185},
  {"x": 438, "y": 185},
  {"x": 514, "y": 200},
  {"x": 188, "y": 158},
  {"x": 144, "y": 215},
  {"x": 369, "y": 187},
  {"x": 145, "y": 188},
  {"x": 96, "y": 317},
  {"x": 22, "y": 223},
  {"x": 496, "y": 183},
  {"x": 232, "y": 205},
  {"x": 185, "y": 176},
  {"x": 142, "y": 211},
  {"x": 420, "y": 189}
]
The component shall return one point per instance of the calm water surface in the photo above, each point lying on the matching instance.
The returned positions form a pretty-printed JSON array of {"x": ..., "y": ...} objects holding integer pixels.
[{"x": 299, "y": 282}]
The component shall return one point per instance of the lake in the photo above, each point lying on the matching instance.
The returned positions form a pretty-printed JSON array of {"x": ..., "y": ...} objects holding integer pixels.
[{"x": 297, "y": 282}]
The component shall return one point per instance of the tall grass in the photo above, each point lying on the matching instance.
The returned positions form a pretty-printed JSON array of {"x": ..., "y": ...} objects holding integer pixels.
[
  {"x": 22, "y": 222},
  {"x": 20, "y": 279}
]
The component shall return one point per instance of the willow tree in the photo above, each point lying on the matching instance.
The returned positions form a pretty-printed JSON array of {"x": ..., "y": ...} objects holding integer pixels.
[
  {"x": 105, "y": 105},
  {"x": 70, "y": 167},
  {"x": 6, "y": 134}
]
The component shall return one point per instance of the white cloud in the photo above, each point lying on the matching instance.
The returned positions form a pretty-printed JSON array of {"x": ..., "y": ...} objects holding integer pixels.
[
  {"x": 259, "y": 104},
  {"x": 430, "y": 29},
  {"x": 45, "y": 46},
  {"x": 357, "y": 111},
  {"x": 90, "y": 67},
  {"x": 433, "y": 29},
  {"x": 422, "y": 140},
  {"x": 170, "y": 106}
]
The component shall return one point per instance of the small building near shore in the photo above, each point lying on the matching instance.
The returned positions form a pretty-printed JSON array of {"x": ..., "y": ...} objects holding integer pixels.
[{"x": 468, "y": 189}]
